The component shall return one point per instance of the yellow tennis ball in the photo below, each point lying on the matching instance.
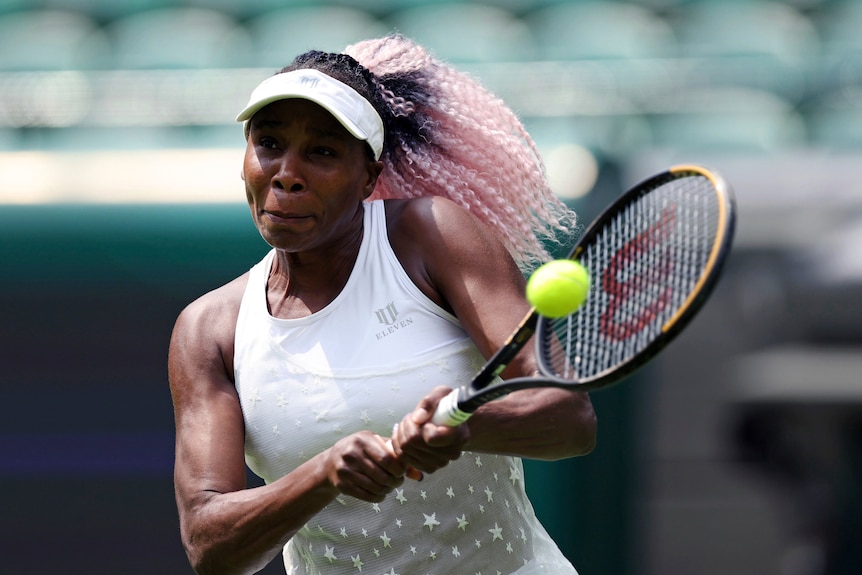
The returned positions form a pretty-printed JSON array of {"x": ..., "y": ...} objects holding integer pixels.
[{"x": 558, "y": 288}]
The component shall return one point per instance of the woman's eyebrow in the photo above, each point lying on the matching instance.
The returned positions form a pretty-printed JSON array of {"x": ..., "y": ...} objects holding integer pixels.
[
  {"x": 274, "y": 124},
  {"x": 260, "y": 123}
]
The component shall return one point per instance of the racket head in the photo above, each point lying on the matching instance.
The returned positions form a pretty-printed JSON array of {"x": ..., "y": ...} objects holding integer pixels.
[{"x": 654, "y": 257}]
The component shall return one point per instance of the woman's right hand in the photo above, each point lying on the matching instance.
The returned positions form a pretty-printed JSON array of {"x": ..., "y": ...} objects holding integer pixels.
[{"x": 363, "y": 466}]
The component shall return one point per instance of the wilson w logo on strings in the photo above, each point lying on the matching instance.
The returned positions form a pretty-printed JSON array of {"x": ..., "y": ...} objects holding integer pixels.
[{"x": 636, "y": 285}]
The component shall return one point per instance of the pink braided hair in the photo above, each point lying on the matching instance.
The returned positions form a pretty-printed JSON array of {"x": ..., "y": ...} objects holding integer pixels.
[{"x": 473, "y": 149}]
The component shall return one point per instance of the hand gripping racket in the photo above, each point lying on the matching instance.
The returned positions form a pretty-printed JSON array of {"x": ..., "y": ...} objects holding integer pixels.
[{"x": 653, "y": 257}]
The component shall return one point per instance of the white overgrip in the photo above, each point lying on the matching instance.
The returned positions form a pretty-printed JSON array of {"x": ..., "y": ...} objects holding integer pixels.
[{"x": 448, "y": 413}]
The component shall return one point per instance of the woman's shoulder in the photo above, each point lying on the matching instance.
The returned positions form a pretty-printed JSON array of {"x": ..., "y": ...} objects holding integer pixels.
[
  {"x": 215, "y": 312},
  {"x": 227, "y": 295},
  {"x": 202, "y": 343},
  {"x": 417, "y": 215}
]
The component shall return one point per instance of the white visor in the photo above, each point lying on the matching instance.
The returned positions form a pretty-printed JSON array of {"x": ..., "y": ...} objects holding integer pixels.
[{"x": 353, "y": 111}]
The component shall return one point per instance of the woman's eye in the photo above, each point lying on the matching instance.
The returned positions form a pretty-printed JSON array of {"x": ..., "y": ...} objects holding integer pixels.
[
  {"x": 323, "y": 151},
  {"x": 267, "y": 143}
]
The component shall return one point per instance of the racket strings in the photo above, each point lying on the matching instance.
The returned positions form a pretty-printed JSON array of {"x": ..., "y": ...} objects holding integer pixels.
[{"x": 645, "y": 262}]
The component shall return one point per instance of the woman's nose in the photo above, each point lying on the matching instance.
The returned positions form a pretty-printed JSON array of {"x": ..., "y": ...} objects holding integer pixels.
[{"x": 289, "y": 176}]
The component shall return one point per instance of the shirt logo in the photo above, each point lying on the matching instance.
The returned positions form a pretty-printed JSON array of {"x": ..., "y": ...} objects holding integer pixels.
[
  {"x": 387, "y": 315},
  {"x": 390, "y": 317}
]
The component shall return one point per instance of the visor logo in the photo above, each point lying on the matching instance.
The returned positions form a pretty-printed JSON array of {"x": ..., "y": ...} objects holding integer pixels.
[{"x": 309, "y": 81}]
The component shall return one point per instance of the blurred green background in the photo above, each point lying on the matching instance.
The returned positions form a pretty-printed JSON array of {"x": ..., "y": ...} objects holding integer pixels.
[{"x": 120, "y": 202}]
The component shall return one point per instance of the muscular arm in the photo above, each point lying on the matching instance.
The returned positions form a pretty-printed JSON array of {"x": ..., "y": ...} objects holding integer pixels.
[
  {"x": 225, "y": 527},
  {"x": 457, "y": 261}
]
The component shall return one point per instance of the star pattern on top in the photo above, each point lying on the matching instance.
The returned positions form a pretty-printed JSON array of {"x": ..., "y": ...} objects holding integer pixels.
[
  {"x": 300, "y": 393},
  {"x": 431, "y": 521},
  {"x": 447, "y": 507}
]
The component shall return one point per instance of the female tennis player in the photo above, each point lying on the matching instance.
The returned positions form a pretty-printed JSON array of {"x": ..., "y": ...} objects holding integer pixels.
[{"x": 403, "y": 204}]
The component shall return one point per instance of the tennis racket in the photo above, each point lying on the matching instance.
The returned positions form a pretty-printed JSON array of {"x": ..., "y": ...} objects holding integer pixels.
[{"x": 653, "y": 257}]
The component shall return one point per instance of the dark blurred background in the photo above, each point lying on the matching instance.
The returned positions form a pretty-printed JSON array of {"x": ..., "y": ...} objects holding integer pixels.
[{"x": 739, "y": 450}]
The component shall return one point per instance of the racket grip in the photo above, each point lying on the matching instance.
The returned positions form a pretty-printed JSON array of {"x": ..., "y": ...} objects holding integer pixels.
[{"x": 448, "y": 412}]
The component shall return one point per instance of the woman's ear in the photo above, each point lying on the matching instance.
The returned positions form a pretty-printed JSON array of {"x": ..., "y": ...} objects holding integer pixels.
[{"x": 374, "y": 169}]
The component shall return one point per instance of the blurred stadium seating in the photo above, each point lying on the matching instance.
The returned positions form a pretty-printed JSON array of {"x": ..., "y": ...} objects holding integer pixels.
[
  {"x": 835, "y": 119},
  {"x": 622, "y": 60},
  {"x": 178, "y": 38},
  {"x": 731, "y": 28},
  {"x": 596, "y": 29},
  {"x": 839, "y": 22},
  {"x": 110, "y": 101},
  {"x": 464, "y": 32},
  {"x": 744, "y": 120},
  {"x": 279, "y": 35},
  {"x": 51, "y": 40}
]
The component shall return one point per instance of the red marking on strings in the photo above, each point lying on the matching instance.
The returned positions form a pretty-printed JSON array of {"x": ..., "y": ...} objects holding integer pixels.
[{"x": 652, "y": 279}]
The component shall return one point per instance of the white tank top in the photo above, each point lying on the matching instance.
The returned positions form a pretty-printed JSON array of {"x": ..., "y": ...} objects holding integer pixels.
[{"x": 362, "y": 362}]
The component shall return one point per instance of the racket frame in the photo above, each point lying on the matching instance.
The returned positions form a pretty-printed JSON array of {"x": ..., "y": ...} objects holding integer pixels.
[{"x": 463, "y": 401}]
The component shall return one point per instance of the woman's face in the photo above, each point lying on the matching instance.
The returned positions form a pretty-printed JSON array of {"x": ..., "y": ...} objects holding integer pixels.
[{"x": 305, "y": 176}]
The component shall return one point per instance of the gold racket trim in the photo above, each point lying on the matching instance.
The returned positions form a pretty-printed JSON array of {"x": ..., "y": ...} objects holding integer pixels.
[{"x": 721, "y": 189}]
